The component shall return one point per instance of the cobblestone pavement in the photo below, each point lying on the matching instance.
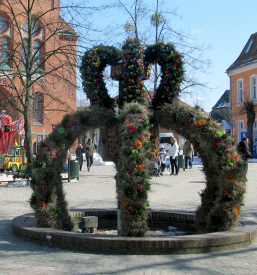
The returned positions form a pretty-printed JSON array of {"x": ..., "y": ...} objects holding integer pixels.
[{"x": 96, "y": 189}]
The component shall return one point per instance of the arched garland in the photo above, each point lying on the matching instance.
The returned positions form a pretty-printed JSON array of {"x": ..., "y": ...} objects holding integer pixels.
[
  {"x": 225, "y": 180},
  {"x": 93, "y": 64},
  {"x": 221, "y": 200},
  {"x": 172, "y": 72},
  {"x": 133, "y": 72},
  {"x": 132, "y": 170}
]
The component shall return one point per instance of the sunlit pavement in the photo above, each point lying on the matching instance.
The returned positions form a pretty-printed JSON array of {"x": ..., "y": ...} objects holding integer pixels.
[{"x": 96, "y": 189}]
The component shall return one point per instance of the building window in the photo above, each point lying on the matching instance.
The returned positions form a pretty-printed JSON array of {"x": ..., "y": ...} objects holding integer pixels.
[
  {"x": 3, "y": 25},
  {"x": 36, "y": 53},
  {"x": 253, "y": 87},
  {"x": 4, "y": 50},
  {"x": 240, "y": 93},
  {"x": 35, "y": 28},
  {"x": 38, "y": 108},
  {"x": 37, "y": 32},
  {"x": 5, "y": 32},
  {"x": 240, "y": 129},
  {"x": 249, "y": 46}
]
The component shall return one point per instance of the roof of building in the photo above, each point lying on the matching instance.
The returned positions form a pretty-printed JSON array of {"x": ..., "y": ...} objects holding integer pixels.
[
  {"x": 248, "y": 54},
  {"x": 218, "y": 110},
  {"x": 224, "y": 101}
]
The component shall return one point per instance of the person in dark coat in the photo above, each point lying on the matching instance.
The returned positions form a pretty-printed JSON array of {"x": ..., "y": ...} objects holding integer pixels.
[
  {"x": 89, "y": 149},
  {"x": 244, "y": 151},
  {"x": 79, "y": 155}
]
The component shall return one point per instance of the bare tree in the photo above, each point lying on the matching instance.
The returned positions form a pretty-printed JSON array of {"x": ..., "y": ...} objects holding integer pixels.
[{"x": 145, "y": 21}]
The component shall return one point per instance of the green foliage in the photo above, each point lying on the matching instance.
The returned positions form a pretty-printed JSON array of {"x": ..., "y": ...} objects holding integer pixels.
[
  {"x": 225, "y": 187},
  {"x": 94, "y": 62}
]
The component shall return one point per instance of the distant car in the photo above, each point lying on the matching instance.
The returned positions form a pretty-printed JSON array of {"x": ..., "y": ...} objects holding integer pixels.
[{"x": 165, "y": 141}]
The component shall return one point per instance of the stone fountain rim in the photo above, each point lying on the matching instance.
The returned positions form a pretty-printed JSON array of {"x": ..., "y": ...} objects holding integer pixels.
[{"x": 240, "y": 237}]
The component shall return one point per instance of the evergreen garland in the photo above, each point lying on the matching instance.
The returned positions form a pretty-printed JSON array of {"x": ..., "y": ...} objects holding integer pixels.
[
  {"x": 133, "y": 72},
  {"x": 225, "y": 180},
  {"x": 172, "y": 72},
  {"x": 132, "y": 172},
  {"x": 94, "y": 62}
]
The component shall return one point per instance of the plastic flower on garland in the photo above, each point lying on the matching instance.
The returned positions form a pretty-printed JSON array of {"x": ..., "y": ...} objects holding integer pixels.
[
  {"x": 126, "y": 203},
  {"x": 235, "y": 157},
  {"x": 230, "y": 179},
  {"x": 226, "y": 192},
  {"x": 42, "y": 204},
  {"x": 217, "y": 143},
  {"x": 61, "y": 130},
  {"x": 138, "y": 144},
  {"x": 141, "y": 166},
  {"x": 72, "y": 116},
  {"x": 236, "y": 211},
  {"x": 202, "y": 122},
  {"x": 131, "y": 129}
]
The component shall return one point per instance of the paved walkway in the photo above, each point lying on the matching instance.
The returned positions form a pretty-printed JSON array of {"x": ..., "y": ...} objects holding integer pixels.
[{"x": 96, "y": 189}]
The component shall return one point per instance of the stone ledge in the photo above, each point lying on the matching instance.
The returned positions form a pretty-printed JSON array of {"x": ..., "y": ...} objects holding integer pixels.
[{"x": 241, "y": 237}]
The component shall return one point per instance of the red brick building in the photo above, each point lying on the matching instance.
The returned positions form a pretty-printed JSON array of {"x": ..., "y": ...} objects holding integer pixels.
[{"x": 54, "y": 46}]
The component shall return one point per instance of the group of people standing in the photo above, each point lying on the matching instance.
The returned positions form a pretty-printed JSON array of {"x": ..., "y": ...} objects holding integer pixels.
[
  {"x": 242, "y": 148},
  {"x": 174, "y": 153},
  {"x": 88, "y": 150}
]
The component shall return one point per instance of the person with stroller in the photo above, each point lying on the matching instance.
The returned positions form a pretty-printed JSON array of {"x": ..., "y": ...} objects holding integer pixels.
[
  {"x": 162, "y": 159},
  {"x": 174, "y": 149}
]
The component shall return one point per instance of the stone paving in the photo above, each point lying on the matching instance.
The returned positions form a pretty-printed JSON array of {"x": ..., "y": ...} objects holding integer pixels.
[{"x": 96, "y": 189}]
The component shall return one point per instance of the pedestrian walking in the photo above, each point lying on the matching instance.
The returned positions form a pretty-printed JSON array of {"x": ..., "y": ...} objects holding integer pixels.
[
  {"x": 174, "y": 149},
  {"x": 79, "y": 155},
  {"x": 89, "y": 149},
  {"x": 244, "y": 152},
  {"x": 188, "y": 152}
]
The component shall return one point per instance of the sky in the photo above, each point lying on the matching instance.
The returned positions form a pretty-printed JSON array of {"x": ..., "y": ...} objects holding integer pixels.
[{"x": 223, "y": 25}]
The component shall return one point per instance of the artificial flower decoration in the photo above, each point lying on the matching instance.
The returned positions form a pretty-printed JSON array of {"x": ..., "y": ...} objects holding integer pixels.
[
  {"x": 226, "y": 192},
  {"x": 141, "y": 166},
  {"x": 132, "y": 170},
  {"x": 220, "y": 133},
  {"x": 126, "y": 203},
  {"x": 127, "y": 211},
  {"x": 131, "y": 129},
  {"x": 42, "y": 204},
  {"x": 141, "y": 117},
  {"x": 61, "y": 130},
  {"x": 68, "y": 125},
  {"x": 138, "y": 144},
  {"x": 234, "y": 156},
  {"x": 53, "y": 153},
  {"x": 190, "y": 121},
  {"x": 228, "y": 146},
  {"x": 202, "y": 122},
  {"x": 47, "y": 148},
  {"x": 43, "y": 186},
  {"x": 43, "y": 164},
  {"x": 236, "y": 211},
  {"x": 143, "y": 137},
  {"x": 217, "y": 143},
  {"x": 138, "y": 187},
  {"x": 230, "y": 178},
  {"x": 63, "y": 146},
  {"x": 72, "y": 116},
  {"x": 126, "y": 122}
]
